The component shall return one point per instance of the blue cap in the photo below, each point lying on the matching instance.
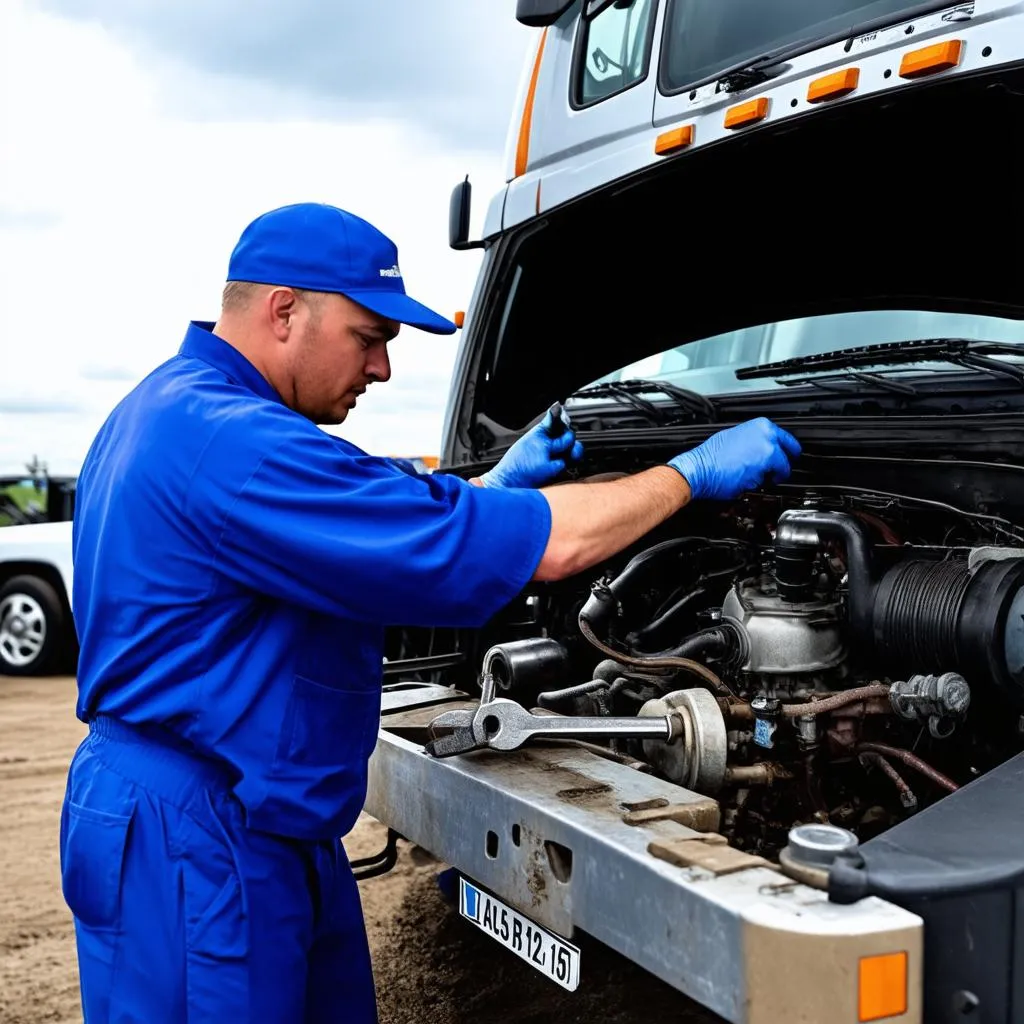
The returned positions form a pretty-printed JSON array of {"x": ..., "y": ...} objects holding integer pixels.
[{"x": 323, "y": 249}]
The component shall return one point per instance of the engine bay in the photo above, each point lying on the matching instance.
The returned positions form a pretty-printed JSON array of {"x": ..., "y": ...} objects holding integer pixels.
[{"x": 846, "y": 659}]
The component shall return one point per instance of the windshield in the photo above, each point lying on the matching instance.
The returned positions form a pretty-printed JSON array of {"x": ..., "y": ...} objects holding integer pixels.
[
  {"x": 706, "y": 36},
  {"x": 708, "y": 366}
]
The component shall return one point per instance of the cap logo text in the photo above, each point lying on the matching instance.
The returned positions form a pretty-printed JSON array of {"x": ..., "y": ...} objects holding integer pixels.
[{"x": 391, "y": 272}]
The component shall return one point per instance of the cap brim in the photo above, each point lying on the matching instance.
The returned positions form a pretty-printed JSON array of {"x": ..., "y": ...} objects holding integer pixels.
[{"x": 396, "y": 306}]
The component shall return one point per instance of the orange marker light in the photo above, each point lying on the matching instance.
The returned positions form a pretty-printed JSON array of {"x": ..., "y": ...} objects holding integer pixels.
[
  {"x": 747, "y": 113},
  {"x": 930, "y": 59},
  {"x": 882, "y": 987},
  {"x": 830, "y": 86},
  {"x": 523, "y": 146},
  {"x": 674, "y": 140},
  {"x": 460, "y": 318}
]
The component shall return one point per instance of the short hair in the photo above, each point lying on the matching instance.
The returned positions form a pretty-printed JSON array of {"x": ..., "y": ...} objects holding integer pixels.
[{"x": 238, "y": 294}]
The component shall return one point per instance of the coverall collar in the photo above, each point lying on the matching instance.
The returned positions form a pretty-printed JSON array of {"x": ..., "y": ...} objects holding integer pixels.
[{"x": 201, "y": 343}]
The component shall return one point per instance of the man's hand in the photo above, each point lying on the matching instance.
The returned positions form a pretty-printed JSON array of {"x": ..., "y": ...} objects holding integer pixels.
[
  {"x": 737, "y": 459},
  {"x": 537, "y": 457}
]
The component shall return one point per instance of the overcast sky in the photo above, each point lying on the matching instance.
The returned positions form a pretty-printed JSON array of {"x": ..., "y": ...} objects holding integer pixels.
[{"x": 139, "y": 137}]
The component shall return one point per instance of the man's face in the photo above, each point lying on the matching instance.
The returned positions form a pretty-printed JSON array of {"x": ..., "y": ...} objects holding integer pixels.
[{"x": 336, "y": 349}]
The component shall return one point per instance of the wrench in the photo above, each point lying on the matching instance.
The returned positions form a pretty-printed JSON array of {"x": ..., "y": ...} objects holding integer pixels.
[{"x": 505, "y": 725}]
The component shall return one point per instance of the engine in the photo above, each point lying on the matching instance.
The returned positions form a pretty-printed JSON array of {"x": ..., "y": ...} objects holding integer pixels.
[{"x": 826, "y": 672}]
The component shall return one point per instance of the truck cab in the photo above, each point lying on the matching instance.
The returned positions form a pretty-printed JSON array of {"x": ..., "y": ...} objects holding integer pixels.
[{"x": 715, "y": 211}]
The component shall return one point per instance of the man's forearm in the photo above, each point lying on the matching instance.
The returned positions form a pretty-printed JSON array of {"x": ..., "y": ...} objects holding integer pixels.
[{"x": 593, "y": 521}]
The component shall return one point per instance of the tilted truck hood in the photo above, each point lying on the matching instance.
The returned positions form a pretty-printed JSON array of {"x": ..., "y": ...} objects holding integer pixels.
[{"x": 904, "y": 201}]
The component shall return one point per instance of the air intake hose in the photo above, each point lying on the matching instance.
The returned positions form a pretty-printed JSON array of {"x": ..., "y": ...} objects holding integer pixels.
[{"x": 922, "y": 615}]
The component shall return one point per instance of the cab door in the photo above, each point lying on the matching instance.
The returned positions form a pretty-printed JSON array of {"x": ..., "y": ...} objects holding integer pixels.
[{"x": 593, "y": 87}]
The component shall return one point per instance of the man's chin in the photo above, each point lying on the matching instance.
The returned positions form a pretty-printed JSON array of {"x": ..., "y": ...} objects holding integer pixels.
[{"x": 331, "y": 418}]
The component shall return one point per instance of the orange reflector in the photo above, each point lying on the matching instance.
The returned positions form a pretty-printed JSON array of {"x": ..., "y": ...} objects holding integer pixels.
[
  {"x": 930, "y": 59},
  {"x": 523, "y": 145},
  {"x": 460, "y": 318},
  {"x": 882, "y": 986},
  {"x": 831, "y": 86},
  {"x": 678, "y": 138},
  {"x": 747, "y": 113}
]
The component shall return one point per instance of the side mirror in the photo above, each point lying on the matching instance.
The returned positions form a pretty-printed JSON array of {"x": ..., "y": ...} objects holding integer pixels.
[
  {"x": 458, "y": 217},
  {"x": 541, "y": 13}
]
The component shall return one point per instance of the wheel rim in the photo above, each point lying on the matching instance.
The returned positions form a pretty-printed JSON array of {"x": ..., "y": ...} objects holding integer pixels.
[{"x": 22, "y": 629}]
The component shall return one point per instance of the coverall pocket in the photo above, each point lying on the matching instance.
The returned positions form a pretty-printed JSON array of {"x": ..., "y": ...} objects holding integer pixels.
[
  {"x": 222, "y": 930},
  {"x": 91, "y": 864},
  {"x": 325, "y": 725}
]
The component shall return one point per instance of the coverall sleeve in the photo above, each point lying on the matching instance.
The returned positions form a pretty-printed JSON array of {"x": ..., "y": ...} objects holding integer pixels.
[{"x": 329, "y": 528}]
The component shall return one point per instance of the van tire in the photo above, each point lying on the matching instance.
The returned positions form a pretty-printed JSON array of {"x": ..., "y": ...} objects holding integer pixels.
[{"x": 32, "y": 627}]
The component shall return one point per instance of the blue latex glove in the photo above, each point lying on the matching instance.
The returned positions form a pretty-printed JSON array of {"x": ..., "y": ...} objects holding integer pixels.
[
  {"x": 738, "y": 459},
  {"x": 537, "y": 457}
]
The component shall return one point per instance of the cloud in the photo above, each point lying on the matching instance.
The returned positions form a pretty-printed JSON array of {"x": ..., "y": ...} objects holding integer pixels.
[
  {"x": 42, "y": 405},
  {"x": 119, "y": 214},
  {"x": 108, "y": 371},
  {"x": 27, "y": 220},
  {"x": 450, "y": 66}
]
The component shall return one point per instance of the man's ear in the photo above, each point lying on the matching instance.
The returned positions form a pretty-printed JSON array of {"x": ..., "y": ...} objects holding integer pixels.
[{"x": 280, "y": 305}]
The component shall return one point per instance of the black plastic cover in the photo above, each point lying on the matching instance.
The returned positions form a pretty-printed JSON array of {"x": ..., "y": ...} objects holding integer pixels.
[
  {"x": 959, "y": 865},
  {"x": 541, "y": 13}
]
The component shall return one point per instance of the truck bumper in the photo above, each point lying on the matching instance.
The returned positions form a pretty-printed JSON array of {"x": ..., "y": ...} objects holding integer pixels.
[{"x": 576, "y": 841}]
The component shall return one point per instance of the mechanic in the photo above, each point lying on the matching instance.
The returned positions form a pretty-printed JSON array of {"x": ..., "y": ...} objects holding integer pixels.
[{"x": 234, "y": 569}]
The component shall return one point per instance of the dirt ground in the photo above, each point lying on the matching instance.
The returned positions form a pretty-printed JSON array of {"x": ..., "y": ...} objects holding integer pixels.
[{"x": 431, "y": 966}]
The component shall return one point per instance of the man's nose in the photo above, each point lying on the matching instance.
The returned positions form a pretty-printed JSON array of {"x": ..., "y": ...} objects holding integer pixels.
[{"x": 378, "y": 365}]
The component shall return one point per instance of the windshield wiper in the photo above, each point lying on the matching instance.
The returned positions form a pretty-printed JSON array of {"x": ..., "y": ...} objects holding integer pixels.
[
  {"x": 975, "y": 355},
  {"x": 628, "y": 392},
  {"x": 752, "y": 72},
  {"x": 768, "y": 65},
  {"x": 836, "y": 382}
]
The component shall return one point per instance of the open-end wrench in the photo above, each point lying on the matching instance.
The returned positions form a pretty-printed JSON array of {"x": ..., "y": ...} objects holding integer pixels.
[{"x": 505, "y": 725}]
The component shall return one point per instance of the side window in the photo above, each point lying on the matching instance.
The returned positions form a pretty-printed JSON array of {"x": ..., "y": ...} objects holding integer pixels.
[{"x": 614, "y": 49}]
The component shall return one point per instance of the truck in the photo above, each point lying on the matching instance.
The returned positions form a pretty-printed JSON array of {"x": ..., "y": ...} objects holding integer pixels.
[
  {"x": 772, "y": 753},
  {"x": 37, "y": 634}
]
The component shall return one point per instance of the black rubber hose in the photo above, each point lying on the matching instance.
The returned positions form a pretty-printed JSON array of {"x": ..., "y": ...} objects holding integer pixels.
[
  {"x": 603, "y": 600},
  {"x": 805, "y": 526},
  {"x": 570, "y": 692},
  {"x": 706, "y": 640}
]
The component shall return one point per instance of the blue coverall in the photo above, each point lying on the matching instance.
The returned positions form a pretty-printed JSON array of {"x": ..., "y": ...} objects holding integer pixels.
[{"x": 235, "y": 567}]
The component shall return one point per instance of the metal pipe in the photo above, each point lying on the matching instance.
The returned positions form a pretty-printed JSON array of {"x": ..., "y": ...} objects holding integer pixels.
[
  {"x": 907, "y": 797},
  {"x": 912, "y": 760},
  {"x": 742, "y": 712},
  {"x": 836, "y": 701},
  {"x": 762, "y": 774}
]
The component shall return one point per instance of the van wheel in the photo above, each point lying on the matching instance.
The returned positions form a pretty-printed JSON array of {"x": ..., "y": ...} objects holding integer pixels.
[{"x": 31, "y": 627}]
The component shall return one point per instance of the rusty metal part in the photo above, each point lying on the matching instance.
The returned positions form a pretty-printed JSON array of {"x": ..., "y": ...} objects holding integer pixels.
[
  {"x": 907, "y": 797},
  {"x": 836, "y": 701},
  {"x": 710, "y": 852},
  {"x": 912, "y": 760},
  {"x": 764, "y": 773},
  {"x": 815, "y": 877},
  {"x": 741, "y": 711},
  {"x": 701, "y": 815}
]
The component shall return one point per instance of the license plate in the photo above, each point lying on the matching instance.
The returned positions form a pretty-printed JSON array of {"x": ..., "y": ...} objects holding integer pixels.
[{"x": 553, "y": 957}]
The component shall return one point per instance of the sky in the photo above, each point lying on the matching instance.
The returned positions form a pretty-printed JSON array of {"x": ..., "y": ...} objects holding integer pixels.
[{"x": 139, "y": 137}]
